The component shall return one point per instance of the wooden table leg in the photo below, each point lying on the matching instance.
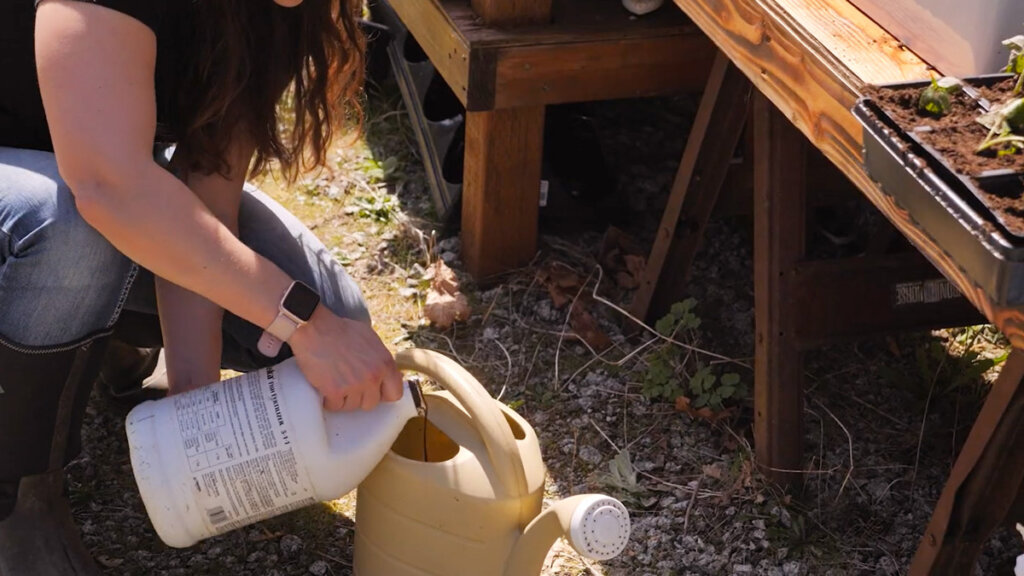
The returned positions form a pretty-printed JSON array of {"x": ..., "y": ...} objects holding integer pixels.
[
  {"x": 501, "y": 189},
  {"x": 501, "y": 180},
  {"x": 984, "y": 482},
  {"x": 779, "y": 244},
  {"x": 709, "y": 147}
]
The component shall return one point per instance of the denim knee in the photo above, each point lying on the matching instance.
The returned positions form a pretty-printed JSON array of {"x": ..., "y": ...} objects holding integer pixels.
[{"x": 60, "y": 279}]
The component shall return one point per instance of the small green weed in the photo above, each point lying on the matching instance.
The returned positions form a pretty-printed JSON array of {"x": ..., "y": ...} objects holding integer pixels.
[
  {"x": 379, "y": 208},
  {"x": 675, "y": 371},
  {"x": 941, "y": 368}
]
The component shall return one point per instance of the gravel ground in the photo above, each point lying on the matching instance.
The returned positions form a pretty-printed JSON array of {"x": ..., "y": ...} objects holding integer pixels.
[{"x": 883, "y": 420}]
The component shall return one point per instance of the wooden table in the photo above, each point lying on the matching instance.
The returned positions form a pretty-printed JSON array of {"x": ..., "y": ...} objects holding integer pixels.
[
  {"x": 809, "y": 61},
  {"x": 506, "y": 60}
]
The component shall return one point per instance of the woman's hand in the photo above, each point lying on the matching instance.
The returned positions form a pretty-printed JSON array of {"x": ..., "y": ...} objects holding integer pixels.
[{"x": 346, "y": 361}]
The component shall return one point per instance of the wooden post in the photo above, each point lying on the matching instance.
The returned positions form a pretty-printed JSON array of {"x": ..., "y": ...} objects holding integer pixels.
[
  {"x": 501, "y": 189},
  {"x": 984, "y": 483},
  {"x": 501, "y": 183},
  {"x": 779, "y": 235}
]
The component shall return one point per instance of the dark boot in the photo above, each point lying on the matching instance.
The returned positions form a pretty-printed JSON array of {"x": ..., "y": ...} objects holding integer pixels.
[
  {"x": 42, "y": 403},
  {"x": 131, "y": 374},
  {"x": 133, "y": 369}
]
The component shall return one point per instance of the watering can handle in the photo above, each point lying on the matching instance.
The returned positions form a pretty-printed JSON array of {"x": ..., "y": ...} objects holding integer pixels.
[{"x": 489, "y": 419}]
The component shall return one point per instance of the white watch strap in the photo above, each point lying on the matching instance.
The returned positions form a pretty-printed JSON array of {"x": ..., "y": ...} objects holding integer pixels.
[{"x": 279, "y": 331}]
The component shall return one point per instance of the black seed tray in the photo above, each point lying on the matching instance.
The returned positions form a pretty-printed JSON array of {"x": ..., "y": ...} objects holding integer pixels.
[{"x": 941, "y": 203}]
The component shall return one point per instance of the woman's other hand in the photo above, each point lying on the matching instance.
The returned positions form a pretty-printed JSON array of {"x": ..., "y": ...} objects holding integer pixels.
[{"x": 346, "y": 361}]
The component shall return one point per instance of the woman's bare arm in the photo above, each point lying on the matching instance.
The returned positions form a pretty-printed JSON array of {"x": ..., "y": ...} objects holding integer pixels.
[
  {"x": 191, "y": 324},
  {"x": 95, "y": 69}
]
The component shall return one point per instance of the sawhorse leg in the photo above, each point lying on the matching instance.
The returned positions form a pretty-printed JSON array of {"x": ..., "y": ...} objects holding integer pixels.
[
  {"x": 709, "y": 147},
  {"x": 779, "y": 244},
  {"x": 984, "y": 482}
]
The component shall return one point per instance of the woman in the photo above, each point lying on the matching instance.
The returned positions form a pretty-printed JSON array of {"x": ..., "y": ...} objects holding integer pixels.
[{"x": 91, "y": 225}]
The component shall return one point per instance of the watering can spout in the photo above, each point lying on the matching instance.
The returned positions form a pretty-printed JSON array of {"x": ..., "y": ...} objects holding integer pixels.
[{"x": 596, "y": 526}]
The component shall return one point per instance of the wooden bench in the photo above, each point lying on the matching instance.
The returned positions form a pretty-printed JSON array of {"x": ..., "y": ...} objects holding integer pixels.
[{"x": 809, "y": 61}]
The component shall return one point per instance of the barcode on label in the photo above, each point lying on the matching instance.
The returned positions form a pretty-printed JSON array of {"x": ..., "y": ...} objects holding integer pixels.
[{"x": 217, "y": 515}]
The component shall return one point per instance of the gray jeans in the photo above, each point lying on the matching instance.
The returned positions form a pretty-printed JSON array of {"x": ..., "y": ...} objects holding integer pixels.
[{"x": 60, "y": 280}]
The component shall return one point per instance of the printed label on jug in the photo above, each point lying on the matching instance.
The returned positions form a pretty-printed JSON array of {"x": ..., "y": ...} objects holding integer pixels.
[{"x": 239, "y": 448}]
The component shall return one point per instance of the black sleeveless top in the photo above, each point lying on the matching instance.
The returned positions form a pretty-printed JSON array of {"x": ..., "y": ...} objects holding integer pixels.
[{"x": 22, "y": 120}]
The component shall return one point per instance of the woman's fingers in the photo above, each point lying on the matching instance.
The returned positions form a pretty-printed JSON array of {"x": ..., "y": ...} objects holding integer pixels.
[
  {"x": 391, "y": 388},
  {"x": 335, "y": 402},
  {"x": 371, "y": 397}
]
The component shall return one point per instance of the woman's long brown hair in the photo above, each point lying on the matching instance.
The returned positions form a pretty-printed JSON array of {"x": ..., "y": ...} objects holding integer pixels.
[{"x": 244, "y": 55}]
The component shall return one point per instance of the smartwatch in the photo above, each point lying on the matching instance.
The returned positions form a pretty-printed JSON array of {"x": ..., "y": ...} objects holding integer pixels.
[{"x": 296, "y": 308}]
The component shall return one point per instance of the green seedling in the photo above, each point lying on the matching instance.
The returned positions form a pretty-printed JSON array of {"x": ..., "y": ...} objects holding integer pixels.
[
  {"x": 1015, "y": 65},
  {"x": 1005, "y": 124},
  {"x": 936, "y": 98}
]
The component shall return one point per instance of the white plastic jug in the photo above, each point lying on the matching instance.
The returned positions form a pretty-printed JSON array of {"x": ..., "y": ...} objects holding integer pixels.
[{"x": 242, "y": 450}]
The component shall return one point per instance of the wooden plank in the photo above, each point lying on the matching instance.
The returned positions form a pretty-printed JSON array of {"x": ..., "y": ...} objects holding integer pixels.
[
  {"x": 779, "y": 244},
  {"x": 512, "y": 12},
  {"x": 942, "y": 41},
  {"x": 985, "y": 480},
  {"x": 773, "y": 44},
  {"x": 599, "y": 70},
  {"x": 871, "y": 54},
  {"x": 695, "y": 190},
  {"x": 501, "y": 189},
  {"x": 571, "y": 21},
  {"x": 440, "y": 38},
  {"x": 587, "y": 53},
  {"x": 856, "y": 297}
]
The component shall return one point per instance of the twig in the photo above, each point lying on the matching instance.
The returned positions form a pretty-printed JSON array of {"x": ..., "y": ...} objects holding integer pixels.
[
  {"x": 613, "y": 306},
  {"x": 600, "y": 357},
  {"x": 642, "y": 435},
  {"x": 924, "y": 420},
  {"x": 568, "y": 318},
  {"x": 849, "y": 440},
  {"x": 488, "y": 313},
  {"x": 685, "y": 489},
  {"x": 876, "y": 410},
  {"x": 333, "y": 559},
  {"x": 689, "y": 507},
  {"x": 451, "y": 346},
  {"x": 508, "y": 373},
  {"x": 594, "y": 424},
  {"x": 533, "y": 362}
]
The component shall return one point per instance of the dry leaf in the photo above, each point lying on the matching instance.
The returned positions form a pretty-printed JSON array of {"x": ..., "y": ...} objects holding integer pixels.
[
  {"x": 622, "y": 259},
  {"x": 635, "y": 265},
  {"x": 562, "y": 276},
  {"x": 712, "y": 470},
  {"x": 683, "y": 404},
  {"x": 585, "y": 326},
  {"x": 558, "y": 296},
  {"x": 442, "y": 278},
  {"x": 443, "y": 310},
  {"x": 562, "y": 282}
]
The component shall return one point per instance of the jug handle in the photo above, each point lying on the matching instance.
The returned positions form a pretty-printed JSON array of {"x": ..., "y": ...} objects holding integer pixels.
[{"x": 492, "y": 425}]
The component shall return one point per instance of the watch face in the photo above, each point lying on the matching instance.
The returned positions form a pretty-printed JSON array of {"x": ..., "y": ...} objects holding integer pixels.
[{"x": 301, "y": 301}]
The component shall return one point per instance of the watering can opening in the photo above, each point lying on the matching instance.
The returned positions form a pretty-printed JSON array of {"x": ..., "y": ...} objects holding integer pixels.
[{"x": 422, "y": 441}]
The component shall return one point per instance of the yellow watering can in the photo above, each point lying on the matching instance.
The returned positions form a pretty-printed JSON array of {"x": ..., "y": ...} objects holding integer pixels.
[{"x": 460, "y": 492}]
